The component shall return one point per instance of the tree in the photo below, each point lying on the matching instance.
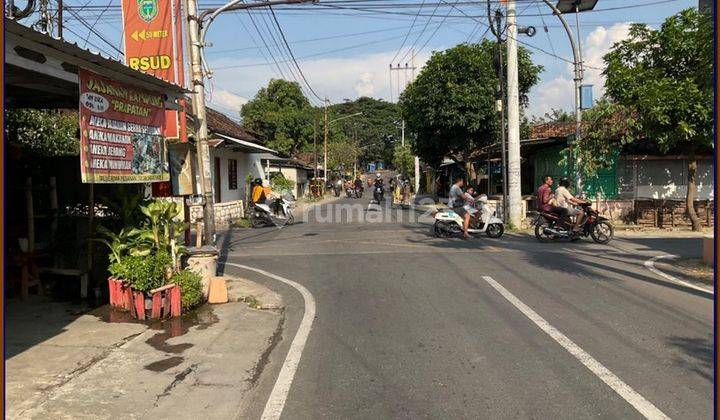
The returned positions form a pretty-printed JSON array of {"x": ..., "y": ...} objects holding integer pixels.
[
  {"x": 404, "y": 161},
  {"x": 374, "y": 130},
  {"x": 282, "y": 115},
  {"x": 661, "y": 81},
  {"x": 44, "y": 132},
  {"x": 342, "y": 154},
  {"x": 450, "y": 107}
]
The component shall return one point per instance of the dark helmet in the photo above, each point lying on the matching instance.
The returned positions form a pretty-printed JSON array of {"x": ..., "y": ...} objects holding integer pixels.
[
  {"x": 565, "y": 182},
  {"x": 257, "y": 181}
]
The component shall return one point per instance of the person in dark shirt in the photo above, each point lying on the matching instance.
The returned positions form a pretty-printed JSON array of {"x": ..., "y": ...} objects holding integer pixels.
[{"x": 546, "y": 199}]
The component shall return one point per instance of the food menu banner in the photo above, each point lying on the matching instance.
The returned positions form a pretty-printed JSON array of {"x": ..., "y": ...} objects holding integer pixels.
[{"x": 121, "y": 132}]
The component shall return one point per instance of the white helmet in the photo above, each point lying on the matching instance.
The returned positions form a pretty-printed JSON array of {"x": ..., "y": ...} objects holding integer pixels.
[
  {"x": 482, "y": 198},
  {"x": 378, "y": 176}
]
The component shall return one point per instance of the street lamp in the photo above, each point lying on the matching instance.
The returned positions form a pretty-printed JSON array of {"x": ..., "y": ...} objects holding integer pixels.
[{"x": 574, "y": 6}]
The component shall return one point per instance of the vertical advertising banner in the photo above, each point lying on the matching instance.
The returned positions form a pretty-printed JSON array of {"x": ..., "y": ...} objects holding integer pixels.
[
  {"x": 121, "y": 132},
  {"x": 153, "y": 44}
]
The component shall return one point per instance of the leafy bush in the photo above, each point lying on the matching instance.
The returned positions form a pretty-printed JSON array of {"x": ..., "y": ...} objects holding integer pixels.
[
  {"x": 143, "y": 272},
  {"x": 280, "y": 184},
  {"x": 190, "y": 284}
]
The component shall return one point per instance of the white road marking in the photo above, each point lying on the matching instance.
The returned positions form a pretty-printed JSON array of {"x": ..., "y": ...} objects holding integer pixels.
[
  {"x": 643, "y": 406},
  {"x": 650, "y": 265},
  {"x": 278, "y": 396}
]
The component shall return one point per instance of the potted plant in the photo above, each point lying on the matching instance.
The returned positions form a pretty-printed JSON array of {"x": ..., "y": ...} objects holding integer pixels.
[{"x": 144, "y": 267}]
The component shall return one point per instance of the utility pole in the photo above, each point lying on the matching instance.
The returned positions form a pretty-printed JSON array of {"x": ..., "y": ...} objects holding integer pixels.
[
  {"x": 497, "y": 31},
  {"x": 197, "y": 27},
  {"x": 514, "y": 192},
  {"x": 201, "y": 130},
  {"x": 325, "y": 142},
  {"x": 315, "y": 172}
]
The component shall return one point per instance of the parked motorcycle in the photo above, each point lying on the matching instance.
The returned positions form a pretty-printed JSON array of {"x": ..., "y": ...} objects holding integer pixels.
[
  {"x": 550, "y": 227},
  {"x": 448, "y": 223},
  {"x": 266, "y": 215}
]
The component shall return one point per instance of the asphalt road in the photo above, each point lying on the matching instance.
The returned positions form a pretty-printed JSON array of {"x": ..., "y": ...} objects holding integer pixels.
[{"x": 407, "y": 326}]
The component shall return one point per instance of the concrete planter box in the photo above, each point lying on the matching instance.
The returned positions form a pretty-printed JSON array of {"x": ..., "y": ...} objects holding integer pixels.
[{"x": 162, "y": 302}]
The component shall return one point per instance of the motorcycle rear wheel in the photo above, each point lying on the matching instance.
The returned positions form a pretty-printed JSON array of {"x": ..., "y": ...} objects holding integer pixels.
[
  {"x": 540, "y": 231},
  {"x": 256, "y": 222},
  {"x": 602, "y": 232},
  {"x": 437, "y": 230}
]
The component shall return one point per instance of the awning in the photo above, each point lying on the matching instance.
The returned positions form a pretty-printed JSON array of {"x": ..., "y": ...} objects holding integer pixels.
[
  {"x": 245, "y": 146},
  {"x": 42, "y": 72}
]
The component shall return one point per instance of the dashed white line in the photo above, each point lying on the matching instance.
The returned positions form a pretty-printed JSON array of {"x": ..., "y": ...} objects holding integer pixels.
[
  {"x": 650, "y": 265},
  {"x": 643, "y": 406},
  {"x": 278, "y": 396}
]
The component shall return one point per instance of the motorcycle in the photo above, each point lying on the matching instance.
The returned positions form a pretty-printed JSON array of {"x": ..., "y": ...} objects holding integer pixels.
[
  {"x": 353, "y": 192},
  {"x": 448, "y": 223},
  {"x": 550, "y": 227},
  {"x": 378, "y": 193},
  {"x": 262, "y": 214}
]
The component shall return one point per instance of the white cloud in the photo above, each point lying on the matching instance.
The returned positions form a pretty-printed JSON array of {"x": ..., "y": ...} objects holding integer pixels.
[
  {"x": 558, "y": 92},
  {"x": 227, "y": 101},
  {"x": 365, "y": 86},
  {"x": 338, "y": 78}
]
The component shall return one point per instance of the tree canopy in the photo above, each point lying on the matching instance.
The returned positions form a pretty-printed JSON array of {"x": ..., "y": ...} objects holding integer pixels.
[
  {"x": 282, "y": 115},
  {"x": 663, "y": 78},
  {"x": 43, "y": 132},
  {"x": 450, "y": 107},
  {"x": 658, "y": 90},
  {"x": 375, "y": 131}
]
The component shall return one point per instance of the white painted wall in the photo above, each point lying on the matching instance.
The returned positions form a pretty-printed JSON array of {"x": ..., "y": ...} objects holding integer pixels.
[
  {"x": 662, "y": 179},
  {"x": 243, "y": 168}
]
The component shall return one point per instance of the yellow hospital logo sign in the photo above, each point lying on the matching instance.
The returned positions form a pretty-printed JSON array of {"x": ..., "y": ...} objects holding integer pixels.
[{"x": 153, "y": 62}]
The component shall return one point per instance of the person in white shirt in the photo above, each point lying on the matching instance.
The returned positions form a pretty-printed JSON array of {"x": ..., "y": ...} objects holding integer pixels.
[{"x": 567, "y": 201}]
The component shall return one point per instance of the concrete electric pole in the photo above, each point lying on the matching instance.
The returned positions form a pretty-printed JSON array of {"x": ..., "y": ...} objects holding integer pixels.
[
  {"x": 513, "y": 102},
  {"x": 325, "y": 142},
  {"x": 201, "y": 130},
  {"x": 197, "y": 27}
]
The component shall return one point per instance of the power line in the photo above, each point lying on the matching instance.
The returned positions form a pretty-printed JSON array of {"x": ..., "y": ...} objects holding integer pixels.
[
  {"x": 79, "y": 18},
  {"x": 408, "y": 33},
  {"x": 293, "y": 55}
]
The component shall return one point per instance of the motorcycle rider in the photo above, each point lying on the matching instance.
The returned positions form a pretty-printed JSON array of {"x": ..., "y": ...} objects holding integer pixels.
[
  {"x": 358, "y": 183},
  {"x": 257, "y": 195},
  {"x": 567, "y": 201},
  {"x": 379, "y": 183},
  {"x": 546, "y": 199},
  {"x": 456, "y": 202}
]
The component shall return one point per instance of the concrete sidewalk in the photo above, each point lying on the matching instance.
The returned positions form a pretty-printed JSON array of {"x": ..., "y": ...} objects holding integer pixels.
[{"x": 102, "y": 365}]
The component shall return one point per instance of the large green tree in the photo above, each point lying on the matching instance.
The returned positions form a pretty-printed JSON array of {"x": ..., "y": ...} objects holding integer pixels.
[
  {"x": 659, "y": 86},
  {"x": 282, "y": 115},
  {"x": 375, "y": 131},
  {"x": 450, "y": 107}
]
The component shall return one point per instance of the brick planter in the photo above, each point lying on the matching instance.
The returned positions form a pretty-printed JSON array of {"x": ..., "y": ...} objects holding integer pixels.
[{"x": 164, "y": 301}]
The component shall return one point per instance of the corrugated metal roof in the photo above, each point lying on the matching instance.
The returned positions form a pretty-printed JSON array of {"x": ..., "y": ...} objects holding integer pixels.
[{"x": 74, "y": 50}]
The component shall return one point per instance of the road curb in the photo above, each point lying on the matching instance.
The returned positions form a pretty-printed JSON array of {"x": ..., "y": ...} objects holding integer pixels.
[{"x": 650, "y": 265}]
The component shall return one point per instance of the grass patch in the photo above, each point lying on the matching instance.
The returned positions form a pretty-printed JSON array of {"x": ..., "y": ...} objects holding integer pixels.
[{"x": 242, "y": 223}]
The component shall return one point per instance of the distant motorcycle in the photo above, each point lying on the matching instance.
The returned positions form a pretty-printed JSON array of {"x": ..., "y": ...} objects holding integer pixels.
[
  {"x": 378, "y": 193},
  {"x": 550, "y": 227}
]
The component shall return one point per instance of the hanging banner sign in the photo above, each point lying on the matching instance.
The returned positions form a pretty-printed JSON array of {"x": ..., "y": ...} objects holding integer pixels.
[
  {"x": 153, "y": 44},
  {"x": 121, "y": 132}
]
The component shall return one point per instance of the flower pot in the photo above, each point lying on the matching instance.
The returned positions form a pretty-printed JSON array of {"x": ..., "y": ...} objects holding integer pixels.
[{"x": 162, "y": 302}]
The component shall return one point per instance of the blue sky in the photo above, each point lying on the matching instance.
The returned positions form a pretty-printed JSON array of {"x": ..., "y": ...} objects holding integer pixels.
[{"x": 345, "y": 53}]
